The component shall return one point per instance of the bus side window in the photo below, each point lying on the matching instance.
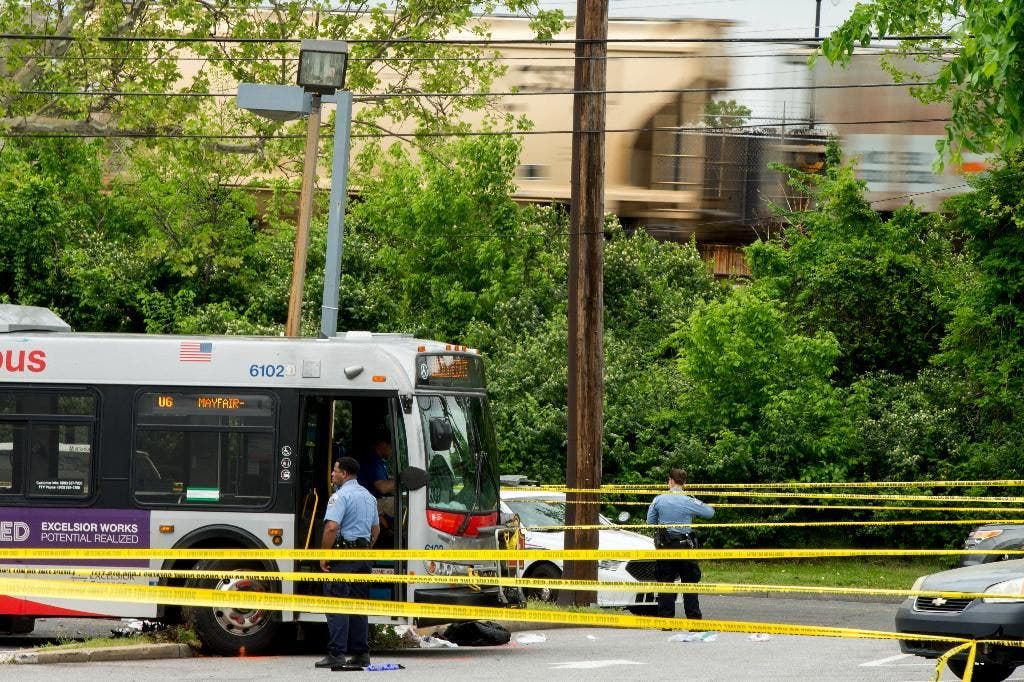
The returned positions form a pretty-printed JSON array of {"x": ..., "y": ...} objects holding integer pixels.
[{"x": 11, "y": 443}]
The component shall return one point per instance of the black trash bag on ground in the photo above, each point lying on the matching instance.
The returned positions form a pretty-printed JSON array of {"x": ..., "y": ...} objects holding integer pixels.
[{"x": 477, "y": 633}]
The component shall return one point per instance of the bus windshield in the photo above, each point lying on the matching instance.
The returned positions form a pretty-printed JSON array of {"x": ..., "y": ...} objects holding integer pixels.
[{"x": 462, "y": 455}]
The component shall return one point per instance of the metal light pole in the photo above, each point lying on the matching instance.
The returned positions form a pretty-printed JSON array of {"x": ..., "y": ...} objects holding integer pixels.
[
  {"x": 321, "y": 77},
  {"x": 336, "y": 216},
  {"x": 814, "y": 81}
]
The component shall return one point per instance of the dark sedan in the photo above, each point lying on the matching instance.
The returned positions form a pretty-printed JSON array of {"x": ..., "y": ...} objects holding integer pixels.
[
  {"x": 1001, "y": 619},
  {"x": 993, "y": 536}
]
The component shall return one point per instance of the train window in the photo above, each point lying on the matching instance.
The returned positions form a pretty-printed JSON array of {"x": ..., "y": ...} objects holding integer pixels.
[{"x": 532, "y": 171}]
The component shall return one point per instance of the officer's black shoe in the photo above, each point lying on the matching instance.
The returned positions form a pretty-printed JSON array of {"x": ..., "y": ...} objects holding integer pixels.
[
  {"x": 358, "y": 660},
  {"x": 330, "y": 661}
]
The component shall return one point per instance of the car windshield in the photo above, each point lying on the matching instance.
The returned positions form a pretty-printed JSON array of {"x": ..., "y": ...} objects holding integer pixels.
[{"x": 540, "y": 513}]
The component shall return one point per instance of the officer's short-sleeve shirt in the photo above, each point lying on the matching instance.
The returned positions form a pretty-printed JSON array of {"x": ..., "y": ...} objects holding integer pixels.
[
  {"x": 677, "y": 509},
  {"x": 354, "y": 509}
]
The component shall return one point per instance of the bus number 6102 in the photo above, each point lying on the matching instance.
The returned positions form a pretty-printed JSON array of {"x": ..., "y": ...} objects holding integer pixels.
[{"x": 266, "y": 370}]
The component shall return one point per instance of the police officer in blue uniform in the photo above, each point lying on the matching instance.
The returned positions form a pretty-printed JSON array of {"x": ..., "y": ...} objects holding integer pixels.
[
  {"x": 349, "y": 523},
  {"x": 676, "y": 510}
]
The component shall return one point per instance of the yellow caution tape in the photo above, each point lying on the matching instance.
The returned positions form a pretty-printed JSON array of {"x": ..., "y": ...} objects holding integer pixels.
[
  {"x": 823, "y": 496},
  {"x": 968, "y": 670},
  {"x": 181, "y": 596},
  {"x": 994, "y": 483},
  {"x": 103, "y": 574},
  {"x": 885, "y": 508},
  {"x": 784, "y": 524},
  {"x": 8, "y": 553},
  {"x": 882, "y": 508}
]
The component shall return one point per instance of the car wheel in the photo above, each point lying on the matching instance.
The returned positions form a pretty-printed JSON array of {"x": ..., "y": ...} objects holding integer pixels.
[
  {"x": 983, "y": 672},
  {"x": 542, "y": 572},
  {"x": 227, "y": 630},
  {"x": 645, "y": 610}
]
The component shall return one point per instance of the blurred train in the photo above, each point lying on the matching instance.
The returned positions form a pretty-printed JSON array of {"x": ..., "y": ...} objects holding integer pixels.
[{"x": 668, "y": 172}]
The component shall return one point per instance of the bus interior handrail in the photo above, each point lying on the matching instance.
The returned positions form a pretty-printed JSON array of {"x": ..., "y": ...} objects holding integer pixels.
[{"x": 312, "y": 516}]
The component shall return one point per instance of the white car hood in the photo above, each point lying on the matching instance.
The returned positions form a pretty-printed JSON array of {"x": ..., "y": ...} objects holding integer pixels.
[{"x": 607, "y": 539}]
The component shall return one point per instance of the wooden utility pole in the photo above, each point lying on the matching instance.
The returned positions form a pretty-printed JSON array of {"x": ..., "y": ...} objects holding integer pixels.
[
  {"x": 305, "y": 216},
  {"x": 586, "y": 296}
]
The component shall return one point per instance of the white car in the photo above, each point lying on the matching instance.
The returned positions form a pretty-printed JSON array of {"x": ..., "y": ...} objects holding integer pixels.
[{"x": 537, "y": 508}]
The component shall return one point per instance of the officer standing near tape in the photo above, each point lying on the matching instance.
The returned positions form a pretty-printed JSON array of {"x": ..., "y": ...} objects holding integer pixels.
[
  {"x": 349, "y": 523},
  {"x": 676, "y": 510}
]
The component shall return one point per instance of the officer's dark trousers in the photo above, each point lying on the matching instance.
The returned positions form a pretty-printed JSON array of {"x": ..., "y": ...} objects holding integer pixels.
[
  {"x": 349, "y": 634},
  {"x": 667, "y": 571}
]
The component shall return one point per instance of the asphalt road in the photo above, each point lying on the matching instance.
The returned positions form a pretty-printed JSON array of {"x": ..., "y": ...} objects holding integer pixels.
[
  {"x": 831, "y": 613},
  {"x": 575, "y": 653},
  {"x": 560, "y": 654}
]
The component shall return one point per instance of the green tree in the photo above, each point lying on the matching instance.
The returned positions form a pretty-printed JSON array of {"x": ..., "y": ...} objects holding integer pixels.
[
  {"x": 49, "y": 200},
  {"x": 185, "y": 250},
  {"x": 450, "y": 242},
  {"x": 882, "y": 286},
  {"x": 979, "y": 68},
  {"x": 908, "y": 428},
  {"x": 725, "y": 114},
  {"x": 986, "y": 339},
  {"x": 649, "y": 286},
  {"x": 758, "y": 404},
  {"x": 400, "y": 49}
]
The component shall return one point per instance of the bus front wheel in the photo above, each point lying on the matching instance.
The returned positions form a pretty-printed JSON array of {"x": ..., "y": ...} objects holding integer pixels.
[{"x": 231, "y": 630}]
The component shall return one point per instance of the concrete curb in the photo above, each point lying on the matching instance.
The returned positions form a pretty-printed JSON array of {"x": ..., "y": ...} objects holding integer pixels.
[{"x": 134, "y": 652}]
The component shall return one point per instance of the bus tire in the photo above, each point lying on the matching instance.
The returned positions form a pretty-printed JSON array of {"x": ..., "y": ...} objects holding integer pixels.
[{"x": 230, "y": 631}]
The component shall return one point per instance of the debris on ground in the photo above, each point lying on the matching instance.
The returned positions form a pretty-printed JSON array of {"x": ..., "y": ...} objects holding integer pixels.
[
  {"x": 478, "y": 633},
  {"x": 131, "y": 628},
  {"x": 435, "y": 642},
  {"x": 694, "y": 637},
  {"x": 411, "y": 639}
]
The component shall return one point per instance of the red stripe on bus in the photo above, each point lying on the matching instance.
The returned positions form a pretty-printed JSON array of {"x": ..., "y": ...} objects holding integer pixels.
[{"x": 26, "y": 607}]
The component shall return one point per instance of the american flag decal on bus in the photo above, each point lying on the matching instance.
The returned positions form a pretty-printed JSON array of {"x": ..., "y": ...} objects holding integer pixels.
[{"x": 195, "y": 351}]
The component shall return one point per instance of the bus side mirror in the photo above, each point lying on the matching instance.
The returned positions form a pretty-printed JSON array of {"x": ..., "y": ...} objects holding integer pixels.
[
  {"x": 440, "y": 434},
  {"x": 412, "y": 478}
]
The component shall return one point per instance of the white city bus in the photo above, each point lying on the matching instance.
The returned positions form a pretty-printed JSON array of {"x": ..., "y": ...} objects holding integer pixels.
[{"x": 145, "y": 441}]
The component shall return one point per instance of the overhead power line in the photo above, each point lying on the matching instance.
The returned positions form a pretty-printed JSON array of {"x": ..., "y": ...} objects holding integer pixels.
[
  {"x": 701, "y": 130},
  {"x": 456, "y": 41},
  {"x": 497, "y": 57},
  {"x": 363, "y": 97}
]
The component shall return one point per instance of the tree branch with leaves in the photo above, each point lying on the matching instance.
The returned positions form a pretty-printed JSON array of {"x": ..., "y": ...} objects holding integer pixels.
[{"x": 976, "y": 45}]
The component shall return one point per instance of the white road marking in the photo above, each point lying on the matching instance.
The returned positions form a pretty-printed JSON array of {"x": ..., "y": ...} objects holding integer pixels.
[
  {"x": 892, "y": 659},
  {"x": 591, "y": 665}
]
